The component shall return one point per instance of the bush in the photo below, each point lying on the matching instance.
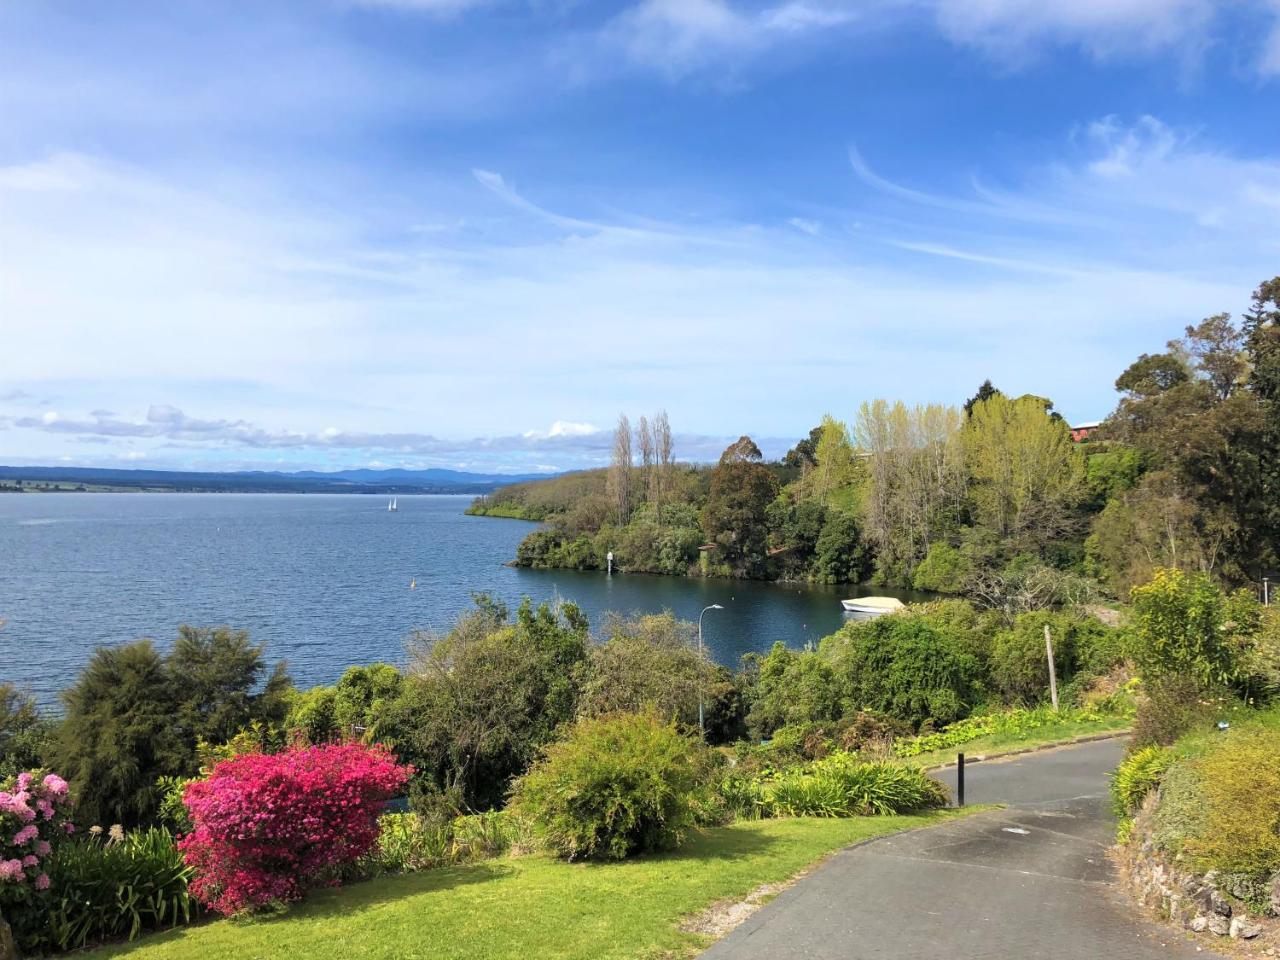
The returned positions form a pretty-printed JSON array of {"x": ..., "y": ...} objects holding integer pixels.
[
  {"x": 905, "y": 667},
  {"x": 33, "y": 819},
  {"x": 269, "y": 827},
  {"x": 1179, "y": 628},
  {"x": 944, "y": 569},
  {"x": 1137, "y": 775},
  {"x": 792, "y": 688},
  {"x": 839, "y": 785},
  {"x": 1019, "y": 663},
  {"x": 618, "y": 785},
  {"x": 1172, "y": 705},
  {"x": 1240, "y": 790},
  {"x": 408, "y": 842},
  {"x": 115, "y": 886}
]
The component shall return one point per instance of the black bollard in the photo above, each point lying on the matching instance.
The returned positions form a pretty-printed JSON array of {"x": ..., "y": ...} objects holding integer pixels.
[{"x": 959, "y": 779}]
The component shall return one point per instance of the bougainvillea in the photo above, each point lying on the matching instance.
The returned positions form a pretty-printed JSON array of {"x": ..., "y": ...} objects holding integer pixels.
[
  {"x": 268, "y": 827},
  {"x": 34, "y": 815}
]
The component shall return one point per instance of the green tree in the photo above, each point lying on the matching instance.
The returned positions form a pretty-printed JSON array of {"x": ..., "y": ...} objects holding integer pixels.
[
  {"x": 944, "y": 569},
  {"x": 216, "y": 673},
  {"x": 791, "y": 687},
  {"x": 119, "y": 735},
  {"x": 985, "y": 392},
  {"x": 1027, "y": 477},
  {"x": 24, "y": 733},
  {"x": 1179, "y": 629},
  {"x": 735, "y": 517},
  {"x": 833, "y": 459},
  {"x": 841, "y": 555},
  {"x": 479, "y": 702},
  {"x": 651, "y": 662}
]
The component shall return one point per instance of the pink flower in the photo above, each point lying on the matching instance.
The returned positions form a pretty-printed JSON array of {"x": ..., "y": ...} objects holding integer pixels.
[
  {"x": 11, "y": 870},
  {"x": 29, "y": 832},
  {"x": 24, "y": 781},
  {"x": 43, "y": 849},
  {"x": 30, "y": 860},
  {"x": 55, "y": 785},
  {"x": 42, "y": 882}
]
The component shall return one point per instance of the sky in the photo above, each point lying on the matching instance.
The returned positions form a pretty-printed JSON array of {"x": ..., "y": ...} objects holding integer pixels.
[{"x": 470, "y": 233}]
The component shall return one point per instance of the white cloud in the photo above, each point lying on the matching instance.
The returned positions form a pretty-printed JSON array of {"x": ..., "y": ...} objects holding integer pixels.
[
  {"x": 682, "y": 37},
  {"x": 811, "y": 227}
]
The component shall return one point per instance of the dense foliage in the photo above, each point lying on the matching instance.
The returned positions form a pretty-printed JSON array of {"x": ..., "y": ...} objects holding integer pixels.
[
  {"x": 616, "y": 785},
  {"x": 269, "y": 827},
  {"x": 995, "y": 498},
  {"x": 135, "y": 715}
]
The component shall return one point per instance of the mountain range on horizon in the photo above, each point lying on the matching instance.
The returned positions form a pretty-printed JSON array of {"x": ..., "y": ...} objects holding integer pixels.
[{"x": 360, "y": 480}]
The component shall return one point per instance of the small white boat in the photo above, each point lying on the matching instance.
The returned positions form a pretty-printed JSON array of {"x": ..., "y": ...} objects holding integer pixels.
[
  {"x": 872, "y": 606},
  {"x": 391, "y": 505}
]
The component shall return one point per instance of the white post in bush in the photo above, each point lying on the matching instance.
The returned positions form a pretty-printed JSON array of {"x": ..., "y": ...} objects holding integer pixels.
[{"x": 1053, "y": 673}]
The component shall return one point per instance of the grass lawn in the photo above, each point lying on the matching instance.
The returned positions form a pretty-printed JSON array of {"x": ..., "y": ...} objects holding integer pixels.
[
  {"x": 998, "y": 743},
  {"x": 528, "y": 908}
]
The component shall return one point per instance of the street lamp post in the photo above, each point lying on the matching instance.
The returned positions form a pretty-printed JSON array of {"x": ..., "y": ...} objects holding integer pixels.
[{"x": 702, "y": 723}]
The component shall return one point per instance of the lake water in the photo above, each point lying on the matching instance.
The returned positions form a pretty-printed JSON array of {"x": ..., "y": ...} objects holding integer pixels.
[{"x": 324, "y": 581}]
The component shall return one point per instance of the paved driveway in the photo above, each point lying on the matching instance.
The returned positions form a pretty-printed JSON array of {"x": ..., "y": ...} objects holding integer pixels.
[{"x": 1026, "y": 882}]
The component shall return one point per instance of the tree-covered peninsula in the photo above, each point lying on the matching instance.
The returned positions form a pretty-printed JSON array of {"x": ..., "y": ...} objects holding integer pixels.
[{"x": 998, "y": 497}]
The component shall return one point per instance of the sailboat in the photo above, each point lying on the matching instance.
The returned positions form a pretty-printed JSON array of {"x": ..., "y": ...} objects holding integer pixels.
[{"x": 391, "y": 505}]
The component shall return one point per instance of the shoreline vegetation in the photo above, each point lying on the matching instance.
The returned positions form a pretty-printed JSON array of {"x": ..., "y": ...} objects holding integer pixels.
[{"x": 1000, "y": 500}]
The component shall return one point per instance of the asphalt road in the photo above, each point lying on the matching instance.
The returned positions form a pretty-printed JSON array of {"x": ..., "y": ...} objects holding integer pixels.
[{"x": 1029, "y": 881}]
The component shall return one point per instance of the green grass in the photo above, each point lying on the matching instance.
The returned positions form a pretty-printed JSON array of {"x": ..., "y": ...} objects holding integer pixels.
[
  {"x": 529, "y": 908},
  {"x": 998, "y": 743}
]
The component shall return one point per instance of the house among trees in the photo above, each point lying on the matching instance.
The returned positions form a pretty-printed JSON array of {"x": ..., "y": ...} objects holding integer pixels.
[{"x": 1080, "y": 432}]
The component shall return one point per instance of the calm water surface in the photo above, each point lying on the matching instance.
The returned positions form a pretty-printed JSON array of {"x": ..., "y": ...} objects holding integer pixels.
[{"x": 324, "y": 581}]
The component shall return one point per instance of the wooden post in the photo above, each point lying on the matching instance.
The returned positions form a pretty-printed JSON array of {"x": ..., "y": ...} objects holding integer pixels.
[{"x": 1053, "y": 673}]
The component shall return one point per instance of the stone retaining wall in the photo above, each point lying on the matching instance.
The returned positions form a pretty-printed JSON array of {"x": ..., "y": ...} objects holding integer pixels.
[{"x": 1202, "y": 903}]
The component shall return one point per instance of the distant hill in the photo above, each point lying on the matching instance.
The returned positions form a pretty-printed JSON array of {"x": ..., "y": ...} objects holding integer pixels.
[{"x": 261, "y": 481}]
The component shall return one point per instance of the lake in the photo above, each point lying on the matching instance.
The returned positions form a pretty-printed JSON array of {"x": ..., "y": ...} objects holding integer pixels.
[{"x": 323, "y": 581}]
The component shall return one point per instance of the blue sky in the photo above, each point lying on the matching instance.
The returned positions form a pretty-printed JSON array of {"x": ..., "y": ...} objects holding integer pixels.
[{"x": 468, "y": 233}]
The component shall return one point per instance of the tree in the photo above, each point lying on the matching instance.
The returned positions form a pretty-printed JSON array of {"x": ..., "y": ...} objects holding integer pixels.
[
  {"x": 1027, "y": 476},
  {"x": 985, "y": 392},
  {"x": 916, "y": 480},
  {"x": 840, "y": 553},
  {"x": 833, "y": 458},
  {"x": 118, "y": 735},
  {"x": 803, "y": 456},
  {"x": 1180, "y": 628},
  {"x": 619, "y": 479},
  {"x": 216, "y": 672},
  {"x": 735, "y": 517},
  {"x": 1262, "y": 339},
  {"x": 24, "y": 733},
  {"x": 665, "y": 467},
  {"x": 652, "y": 662},
  {"x": 648, "y": 473},
  {"x": 481, "y": 701},
  {"x": 1150, "y": 375}
]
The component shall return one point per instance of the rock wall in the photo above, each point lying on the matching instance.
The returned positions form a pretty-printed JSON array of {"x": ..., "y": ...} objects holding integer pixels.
[{"x": 1202, "y": 903}]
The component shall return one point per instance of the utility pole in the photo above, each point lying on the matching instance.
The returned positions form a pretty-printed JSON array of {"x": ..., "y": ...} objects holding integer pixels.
[
  {"x": 1053, "y": 673},
  {"x": 702, "y": 723}
]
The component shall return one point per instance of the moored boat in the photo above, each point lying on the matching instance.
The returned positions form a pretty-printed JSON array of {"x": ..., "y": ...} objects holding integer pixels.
[{"x": 872, "y": 606}]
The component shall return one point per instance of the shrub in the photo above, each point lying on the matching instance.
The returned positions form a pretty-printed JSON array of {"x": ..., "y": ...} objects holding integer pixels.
[
  {"x": 114, "y": 886},
  {"x": 905, "y": 667},
  {"x": 269, "y": 827},
  {"x": 792, "y": 688},
  {"x": 1178, "y": 628},
  {"x": 1240, "y": 789},
  {"x": 33, "y": 819},
  {"x": 838, "y": 785},
  {"x": 618, "y": 785},
  {"x": 1172, "y": 705},
  {"x": 1137, "y": 775},
  {"x": 944, "y": 569},
  {"x": 409, "y": 842},
  {"x": 1019, "y": 663}
]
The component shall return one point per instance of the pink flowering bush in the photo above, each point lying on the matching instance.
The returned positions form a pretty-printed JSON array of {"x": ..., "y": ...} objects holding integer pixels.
[
  {"x": 34, "y": 815},
  {"x": 268, "y": 827}
]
